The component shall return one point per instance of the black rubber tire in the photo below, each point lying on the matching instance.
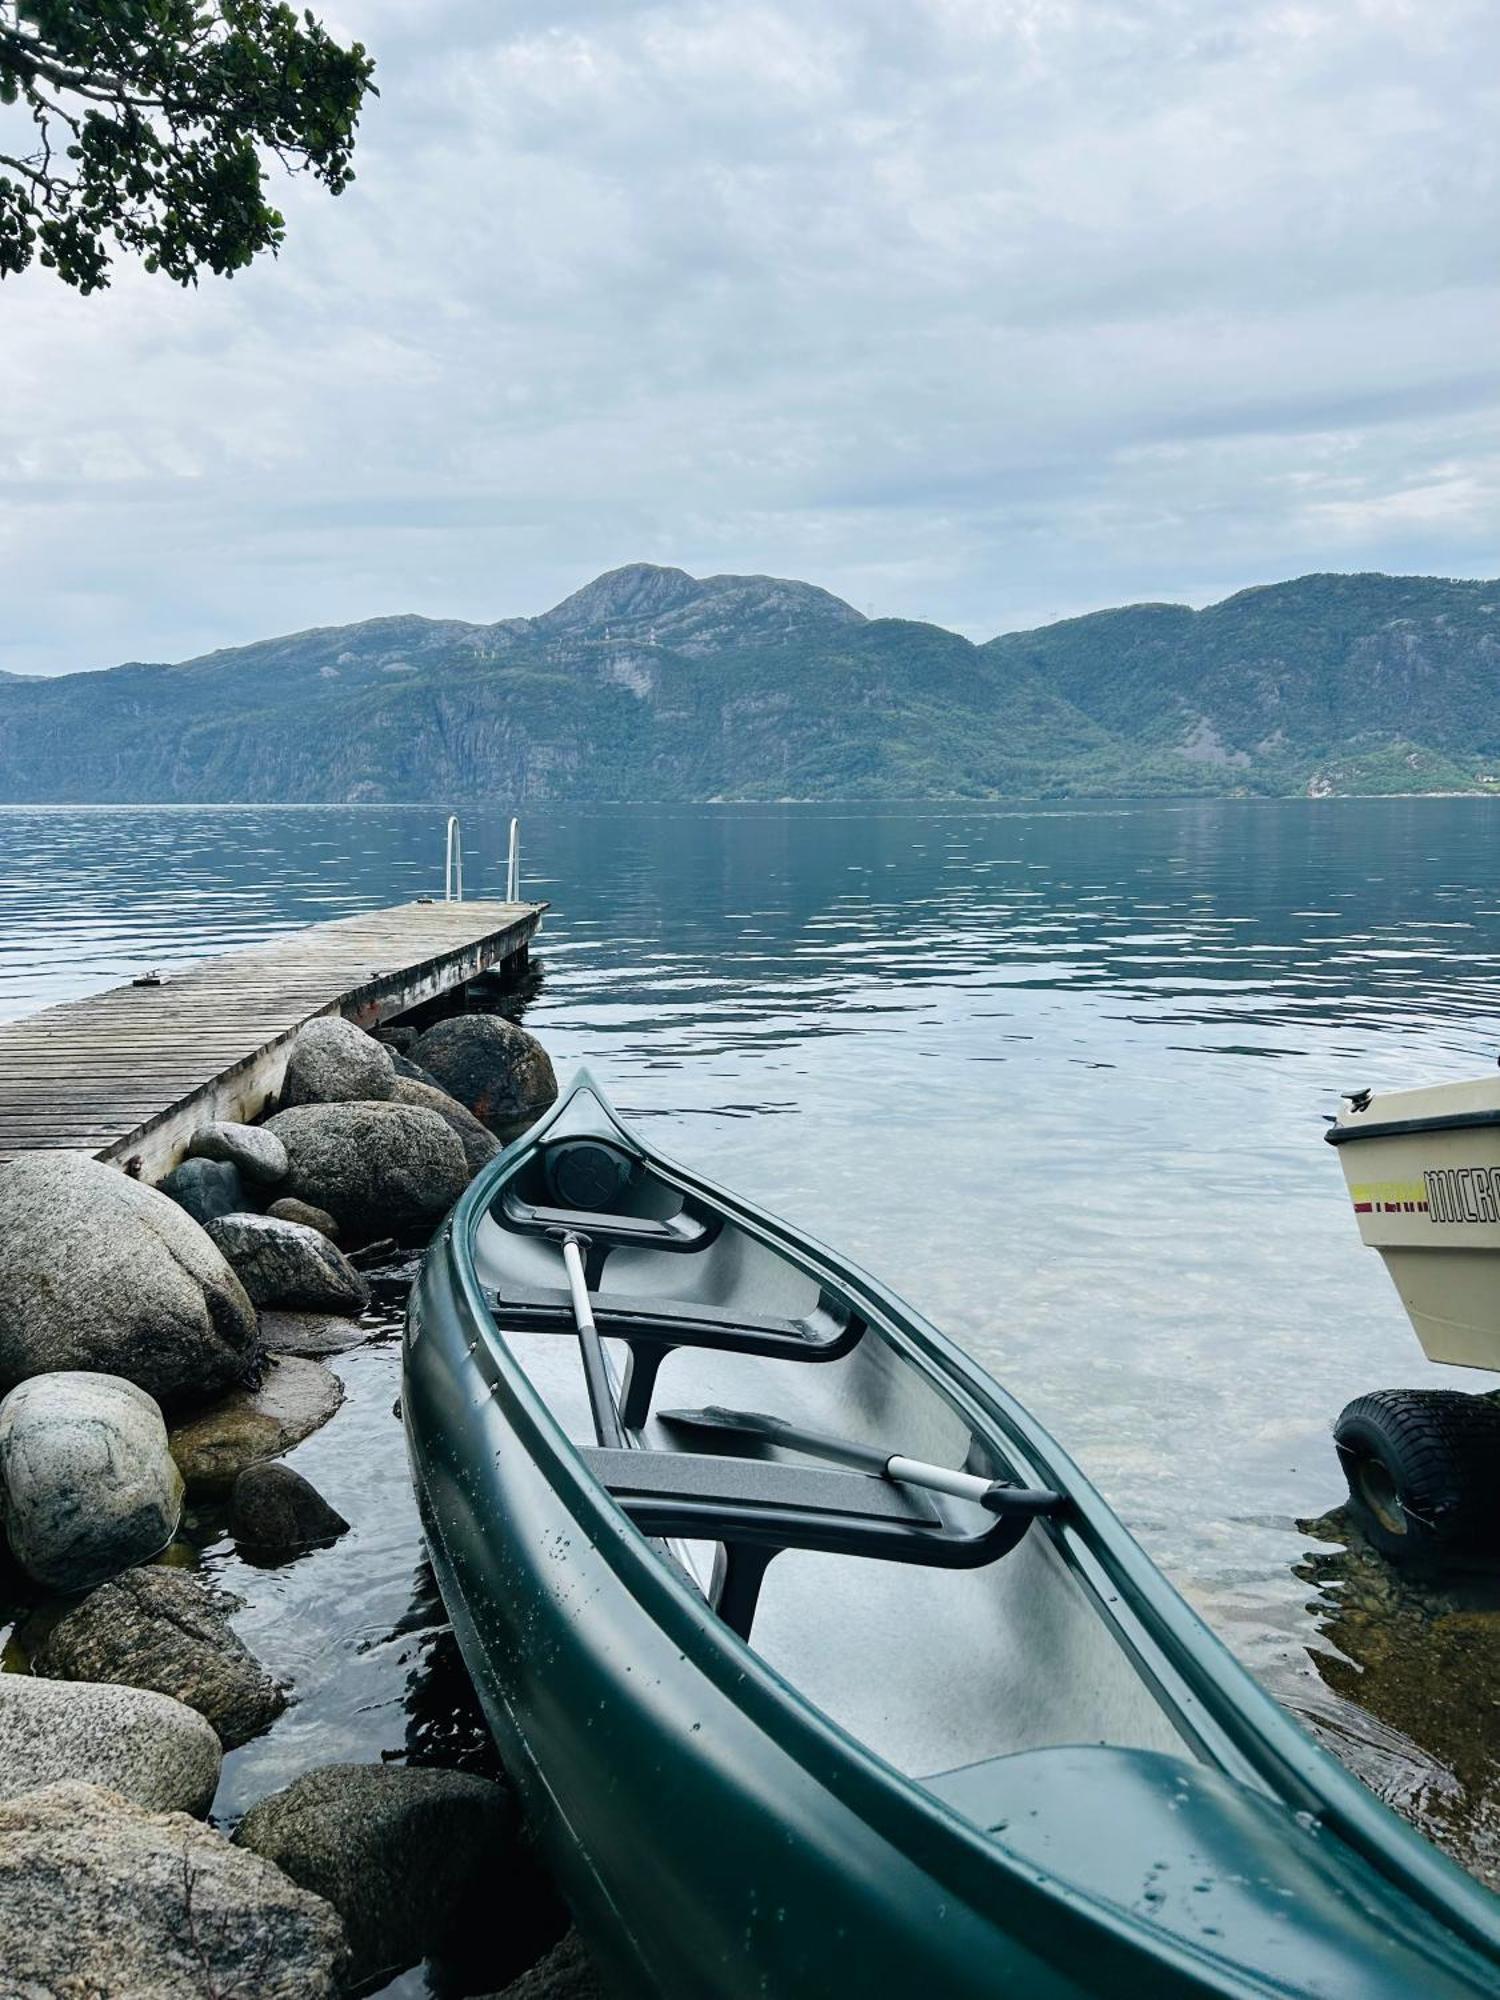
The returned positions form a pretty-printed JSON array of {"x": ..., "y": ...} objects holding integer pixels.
[{"x": 1423, "y": 1467}]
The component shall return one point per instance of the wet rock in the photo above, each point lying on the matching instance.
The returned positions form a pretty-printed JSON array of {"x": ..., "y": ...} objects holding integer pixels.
[
  {"x": 258, "y": 1154},
  {"x": 205, "y": 1188},
  {"x": 350, "y": 1833},
  {"x": 156, "y": 1751},
  {"x": 213, "y": 1448},
  {"x": 311, "y": 1334},
  {"x": 99, "y": 1272},
  {"x": 398, "y": 1036},
  {"x": 168, "y": 1630},
  {"x": 287, "y": 1264},
  {"x": 566, "y": 1973},
  {"x": 378, "y": 1169},
  {"x": 87, "y": 1484},
  {"x": 502, "y": 1074},
  {"x": 273, "y": 1507},
  {"x": 289, "y": 1209},
  {"x": 478, "y": 1141},
  {"x": 100, "y": 1898},
  {"x": 333, "y": 1062}
]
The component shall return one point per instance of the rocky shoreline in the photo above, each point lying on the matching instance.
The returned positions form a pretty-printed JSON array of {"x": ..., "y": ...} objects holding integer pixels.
[{"x": 161, "y": 1349}]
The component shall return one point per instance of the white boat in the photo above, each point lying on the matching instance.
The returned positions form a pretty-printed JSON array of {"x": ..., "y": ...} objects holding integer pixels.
[{"x": 1423, "y": 1172}]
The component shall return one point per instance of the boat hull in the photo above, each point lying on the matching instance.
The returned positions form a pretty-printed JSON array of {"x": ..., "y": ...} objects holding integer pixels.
[
  {"x": 718, "y": 1836},
  {"x": 1423, "y": 1172},
  {"x": 695, "y": 1845}
]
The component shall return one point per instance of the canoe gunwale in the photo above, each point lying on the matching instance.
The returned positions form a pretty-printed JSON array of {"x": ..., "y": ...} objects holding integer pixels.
[{"x": 1239, "y": 1727}]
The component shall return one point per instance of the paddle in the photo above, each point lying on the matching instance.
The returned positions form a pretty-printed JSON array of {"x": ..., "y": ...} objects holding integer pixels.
[
  {"x": 992, "y": 1494},
  {"x": 607, "y": 1427}
]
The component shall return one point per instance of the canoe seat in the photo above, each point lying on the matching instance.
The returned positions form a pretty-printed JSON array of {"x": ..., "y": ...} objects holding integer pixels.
[
  {"x": 756, "y": 1507},
  {"x": 652, "y": 1328}
]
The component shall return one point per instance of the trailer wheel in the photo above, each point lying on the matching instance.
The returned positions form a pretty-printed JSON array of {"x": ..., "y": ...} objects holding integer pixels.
[{"x": 1423, "y": 1467}]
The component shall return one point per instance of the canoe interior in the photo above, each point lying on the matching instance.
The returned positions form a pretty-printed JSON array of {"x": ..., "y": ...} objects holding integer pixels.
[
  {"x": 931, "y": 1668},
  {"x": 1048, "y": 1737}
]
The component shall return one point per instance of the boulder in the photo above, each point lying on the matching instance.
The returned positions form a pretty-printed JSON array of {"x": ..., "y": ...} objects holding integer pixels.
[
  {"x": 414, "y": 1072},
  {"x": 333, "y": 1062},
  {"x": 379, "y": 1169},
  {"x": 258, "y": 1154},
  {"x": 87, "y": 1483},
  {"x": 309, "y": 1334},
  {"x": 501, "y": 1073},
  {"x": 287, "y": 1264},
  {"x": 161, "y": 1754},
  {"x": 166, "y": 1629},
  {"x": 99, "y": 1272},
  {"x": 350, "y": 1832},
  {"x": 100, "y": 1898},
  {"x": 398, "y": 1036},
  {"x": 288, "y": 1209},
  {"x": 213, "y": 1448},
  {"x": 565, "y": 1973},
  {"x": 478, "y": 1141},
  {"x": 273, "y": 1507},
  {"x": 205, "y": 1188}
]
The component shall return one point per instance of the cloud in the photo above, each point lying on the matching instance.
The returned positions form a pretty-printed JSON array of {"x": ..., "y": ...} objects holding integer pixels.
[{"x": 982, "y": 310}]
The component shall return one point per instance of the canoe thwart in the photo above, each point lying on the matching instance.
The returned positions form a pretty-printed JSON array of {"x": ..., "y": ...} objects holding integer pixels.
[{"x": 754, "y": 1508}]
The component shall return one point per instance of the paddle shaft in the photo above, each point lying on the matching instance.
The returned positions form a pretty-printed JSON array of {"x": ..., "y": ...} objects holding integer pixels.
[
  {"x": 992, "y": 1494},
  {"x": 607, "y": 1426}
]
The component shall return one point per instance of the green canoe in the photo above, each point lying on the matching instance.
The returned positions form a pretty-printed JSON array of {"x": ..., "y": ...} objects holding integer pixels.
[{"x": 788, "y": 1726}]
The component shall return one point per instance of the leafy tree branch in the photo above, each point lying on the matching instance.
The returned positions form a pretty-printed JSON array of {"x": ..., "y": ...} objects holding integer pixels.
[{"x": 141, "y": 125}]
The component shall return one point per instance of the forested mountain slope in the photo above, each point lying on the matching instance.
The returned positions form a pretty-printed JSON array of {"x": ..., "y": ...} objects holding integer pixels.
[{"x": 651, "y": 684}]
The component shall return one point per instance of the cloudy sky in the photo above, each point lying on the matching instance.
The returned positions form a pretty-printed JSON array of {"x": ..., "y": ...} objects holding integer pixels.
[{"x": 987, "y": 311}]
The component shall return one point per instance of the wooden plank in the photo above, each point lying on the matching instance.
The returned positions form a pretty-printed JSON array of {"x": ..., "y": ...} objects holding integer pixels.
[{"x": 131, "y": 1073}]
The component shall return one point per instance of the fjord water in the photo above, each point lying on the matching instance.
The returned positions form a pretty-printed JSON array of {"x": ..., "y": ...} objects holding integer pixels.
[{"x": 1059, "y": 1074}]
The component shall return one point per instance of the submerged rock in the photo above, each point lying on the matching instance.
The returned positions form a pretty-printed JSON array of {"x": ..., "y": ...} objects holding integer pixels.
[
  {"x": 566, "y": 1973},
  {"x": 502, "y": 1074},
  {"x": 478, "y": 1141},
  {"x": 205, "y": 1188},
  {"x": 379, "y": 1169},
  {"x": 213, "y": 1448},
  {"x": 99, "y": 1272},
  {"x": 410, "y": 1858},
  {"x": 311, "y": 1334},
  {"x": 273, "y": 1507},
  {"x": 98, "y": 1897},
  {"x": 258, "y": 1154},
  {"x": 333, "y": 1062},
  {"x": 87, "y": 1484},
  {"x": 158, "y": 1752},
  {"x": 289, "y": 1209},
  {"x": 287, "y": 1264},
  {"x": 166, "y": 1629}
]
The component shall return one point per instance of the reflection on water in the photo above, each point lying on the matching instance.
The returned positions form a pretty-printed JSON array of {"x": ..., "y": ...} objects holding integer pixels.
[
  {"x": 1406, "y": 1664},
  {"x": 1058, "y": 1074}
]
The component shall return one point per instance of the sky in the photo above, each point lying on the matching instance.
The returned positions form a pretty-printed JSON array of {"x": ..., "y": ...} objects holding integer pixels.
[{"x": 982, "y": 311}]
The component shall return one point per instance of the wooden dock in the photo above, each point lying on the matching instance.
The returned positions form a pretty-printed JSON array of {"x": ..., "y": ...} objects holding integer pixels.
[{"x": 130, "y": 1074}]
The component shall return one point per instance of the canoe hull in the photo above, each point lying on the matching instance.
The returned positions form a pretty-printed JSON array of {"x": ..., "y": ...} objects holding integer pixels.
[
  {"x": 719, "y": 1836},
  {"x": 700, "y": 1852}
]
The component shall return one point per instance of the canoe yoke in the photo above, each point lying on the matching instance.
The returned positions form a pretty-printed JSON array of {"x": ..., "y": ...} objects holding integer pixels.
[{"x": 754, "y": 1508}]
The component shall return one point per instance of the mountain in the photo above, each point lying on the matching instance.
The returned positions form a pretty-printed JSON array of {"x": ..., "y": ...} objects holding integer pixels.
[{"x": 652, "y": 684}]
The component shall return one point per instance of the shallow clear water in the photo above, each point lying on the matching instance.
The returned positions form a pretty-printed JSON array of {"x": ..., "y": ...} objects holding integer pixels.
[{"x": 1059, "y": 1074}]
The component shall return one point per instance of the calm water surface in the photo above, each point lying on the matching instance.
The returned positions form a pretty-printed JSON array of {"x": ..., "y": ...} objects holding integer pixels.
[{"x": 1059, "y": 1074}]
